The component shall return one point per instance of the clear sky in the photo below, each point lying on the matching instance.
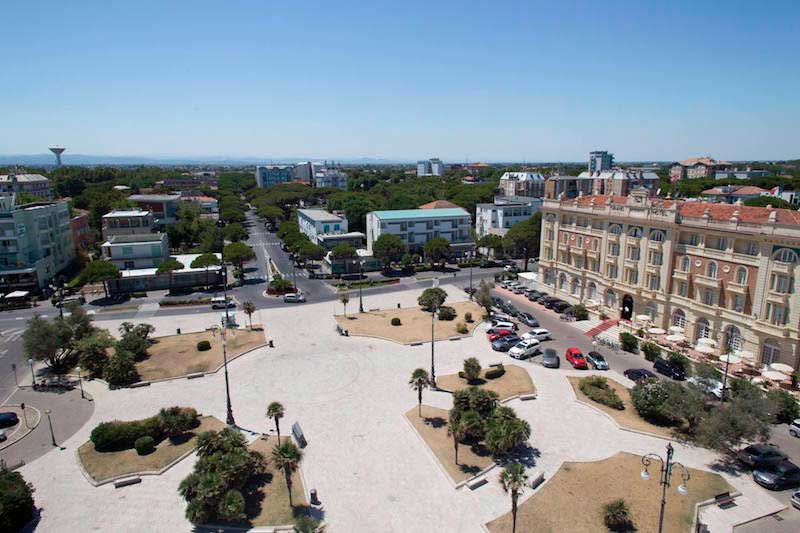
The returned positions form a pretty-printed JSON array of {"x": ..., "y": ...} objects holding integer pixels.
[{"x": 492, "y": 80}]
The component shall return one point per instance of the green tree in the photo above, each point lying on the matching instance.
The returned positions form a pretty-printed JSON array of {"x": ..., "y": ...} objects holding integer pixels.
[
  {"x": 388, "y": 248},
  {"x": 580, "y": 312},
  {"x": 483, "y": 296},
  {"x": 343, "y": 251},
  {"x": 513, "y": 479},
  {"x": 94, "y": 351},
  {"x": 764, "y": 201},
  {"x": 235, "y": 232},
  {"x": 16, "y": 500},
  {"x": 344, "y": 298},
  {"x": 437, "y": 249},
  {"x": 238, "y": 253},
  {"x": 504, "y": 434},
  {"x": 455, "y": 429},
  {"x": 432, "y": 298},
  {"x": 272, "y": 213},
  {"x": 99, "y": 271},
  {"x": 275, "y": 411},
  {"x": 133, "y": 340},
  {"x": 120, "y": 370},
  {"x": 169, "y": 266},
  {"x": 286, "y": 456},
  {"x": 786, "y": 408},
  {"x": 420, "y": 380},
  {"x": 49, "y": 341},
  {"x": 494, "y": 243},
  {"x": 249, "y": 308},
  {"x": 206, "y": 260},
  {"x": 309, "y": 251},
  {"x": 523, "y": 237},
  {"x": 617, "y": 517},
  {"x": 472, "y": 369}
]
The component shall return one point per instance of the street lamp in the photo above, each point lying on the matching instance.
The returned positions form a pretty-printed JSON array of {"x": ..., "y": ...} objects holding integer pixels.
[
  {"x": 360, "y": 284},
  {"x": 433, "y": 343},
  {"x": 229, "y": 420},
  {"x": 80, "y": 382},
  {"x": 50, "y": 422},
  {"x": 665, "y": 477},
  {"x": 60, "y": 282},
  {"x": 33, "y": 376},
  {"x": 471, "y": 259}
]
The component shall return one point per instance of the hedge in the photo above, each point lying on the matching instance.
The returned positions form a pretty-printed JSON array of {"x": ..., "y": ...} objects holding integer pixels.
[
  {"x": 203, "y": 346},
  {"x": 144, "y": 445},
  {"x": 16, "y": 500},
  {"x": 447, "y": 313},
  {"x": 650, "y": 350},
  {"x": 461, "y": 328},
  {"x": 495, "y": 372},
  {"x": 396, "y": 321},
  {"x": 118, "y": 435},
  {"x": 597, "y": 389}
]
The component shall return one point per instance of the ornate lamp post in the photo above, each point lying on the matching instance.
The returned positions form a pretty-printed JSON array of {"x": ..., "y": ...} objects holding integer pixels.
[
  {"x": 50, "y": 422},
  {"x": 229, "y": 420},
  {"x": 665, "y": 477}
]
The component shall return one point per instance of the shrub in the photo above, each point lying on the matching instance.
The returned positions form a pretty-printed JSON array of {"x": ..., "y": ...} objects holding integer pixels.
[
  {"x": 16, "y": 500},
  {"x": 786, "y": 408},
  {"x": 650, "y": 350},
  {"x": 472, "y": 369},
  {"x": 629, "y": 342},
  {"x": 616, "y": 516},
  {"x": 468, "y": 316},
  {"x": 461, "y": 328},
  {"x": 120, "y": 370},
  {"x": 396, "y": 321},
  {"x": 144, "y": 445},
  {"x": 447, "y": 313},
  {"x": 580, "y": 312},
  {"x": 116, "y": 435},
  {"x": 176, "y": 421},
  {"x": 495, "y": 372},
  {"x": 203, "y": 346},
  {"x": 650, "y": 397},
  {"x": 598, "y": 390},
  {"x": 680, "y": 360}
]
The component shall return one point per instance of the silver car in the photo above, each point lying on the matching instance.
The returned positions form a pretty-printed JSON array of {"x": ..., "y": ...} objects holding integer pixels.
[{"x": 794, "y": 428}]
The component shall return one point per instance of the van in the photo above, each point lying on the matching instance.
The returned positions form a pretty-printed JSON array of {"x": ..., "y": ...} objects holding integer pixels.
[
  {"x": 219, "y": 302},
  {"x": 77, "y": 299}
]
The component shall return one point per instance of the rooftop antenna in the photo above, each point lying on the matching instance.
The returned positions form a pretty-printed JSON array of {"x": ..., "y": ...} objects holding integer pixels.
[{"x": 57, "y": 151}]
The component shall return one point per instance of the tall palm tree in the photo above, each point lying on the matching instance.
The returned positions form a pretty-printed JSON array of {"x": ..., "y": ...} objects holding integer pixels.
[
  {"x": 344, "y": 298},
  {"x": 513, "y": 479},
  {"x": 275, "y": 411},
  {"x": 456, "y": 430},
  {"x": 419, "y": 382},
  {"x": 287, "y": 457},
  {"x": 249, "y": 308}
]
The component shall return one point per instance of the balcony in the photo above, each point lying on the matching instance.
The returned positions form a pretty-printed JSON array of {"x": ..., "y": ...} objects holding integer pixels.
[
  {"x": 653, "y": 269},
  {"x": 736, "y": 288},
  {"x": 705, "y": 281},
  {"x": 782, "y": 268},
  {"x": 778, "y": 297},
  {"x": 655, "y": 245},
  {"x": 593, "y": 253},
  {"x": 681, "y": 275},
  {"x": 632, "y": 263}
]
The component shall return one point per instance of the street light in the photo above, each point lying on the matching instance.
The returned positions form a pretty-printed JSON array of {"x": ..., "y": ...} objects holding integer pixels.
[
  {"x": 433, "y": 343},
  {"x": 360, "y": 284},
  {"x": 665, "y": 477},
  {"x": 60, "y": 282},
  {"x": 50, "y": 422},
  {"x": 230, "y": 421},
  {"x": 80, "y": 382},
  {"x": 33, "y": 376}
]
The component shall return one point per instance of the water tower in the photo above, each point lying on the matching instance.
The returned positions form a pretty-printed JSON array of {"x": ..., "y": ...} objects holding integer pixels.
[{"x": 57, "y": 151}]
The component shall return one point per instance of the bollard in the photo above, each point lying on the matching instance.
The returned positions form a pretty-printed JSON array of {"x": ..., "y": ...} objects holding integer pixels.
[
  {"x": 179, "y": 331},
  {"x": 313, "y": 497},
  {"x": 271, "y": 345},
  {"x": 398, "y": 305}
]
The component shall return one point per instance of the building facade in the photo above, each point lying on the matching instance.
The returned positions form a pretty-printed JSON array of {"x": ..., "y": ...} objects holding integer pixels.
[
  {"x": 82, "y": 235},
  {"x": 721, "y": 271},
  {"x": 697, "y": 168},
  {"x": 733, "y": 193},
  {"x": 33, "y": 184},
  {"x": 35, "y": 243},
  {"x": 331, "y": 178},
  {"x": 529, "y": 184},
  {"x": 497, "y": 217},
  {"x": 271, "y": 175},
  {"x": 430, "y": 167},
  {"x": 415, "y": 227},
  {"x": 129, "y": 252},
  {"x": 127, "y": 222},
  {"x": 613, "y": 182},
  {"x": 164, "y": 207},
  {"x": 317, "y": 222},
  {"x": 600, "y": 160}
]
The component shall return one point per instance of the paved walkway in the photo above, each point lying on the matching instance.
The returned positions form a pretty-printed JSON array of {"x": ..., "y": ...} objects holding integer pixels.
[{"x": 349, "y": 394}]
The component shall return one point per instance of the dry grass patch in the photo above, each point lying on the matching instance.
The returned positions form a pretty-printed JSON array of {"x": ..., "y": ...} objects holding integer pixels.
[
  {"x": 105, "y": 465},
  {"x": 628, "y": 417},
  {"x": 595, "y": 484},
  {"x": 432, "y": 427},
  {"x": 415, "y": 324},
  {"x": 177, "y": 355},
  {"x": 267, "y": 499},
  {"x": 515, "y": 381}
]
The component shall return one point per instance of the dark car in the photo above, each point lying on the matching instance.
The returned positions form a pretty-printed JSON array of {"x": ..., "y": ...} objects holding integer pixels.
[
  {"x": 783, "y": 475},
  {"x": 470, "y": 290},
  {"x": 550, "y": 301},
  {"x": 504, "y": 344},
  {"x": 638, "y": 374},
  {"x": 535, "y": 295},
  {"x": 8, "y": 419},
  {"x": 528, "y": 320},
  {"x": 760, "y": 455},
  {"x": 597, "y": 361},
  {"x": 486, "y": 263},
  {"x": 498, "y": 302},
  {"x": 662, "y": 366},
  {"x": 550, "y": 359},
  {"x": 562, "y": 308},
  {"x": 513, "y": 311}
]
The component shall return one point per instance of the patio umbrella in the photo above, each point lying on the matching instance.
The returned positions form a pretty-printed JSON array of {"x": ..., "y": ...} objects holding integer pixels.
[
  {"x": 656, "y": 331},
  {"x": 707, "y": 341},
  {"x": 781, "y": 367},
  {"x": 676, "y": 330},
  {"x": 729, "y": 358},
  {"x": 774, "y": 375},
  {"x": 745, "y": 354},
  {"x": 676, "y": 338},
  {"x": 704, "y": 349},
  {"x": 643, "y": 318}
]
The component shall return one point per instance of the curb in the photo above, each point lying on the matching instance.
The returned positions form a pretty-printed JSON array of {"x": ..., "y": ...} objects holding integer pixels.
[
  {"x": 430, "y": 452},
  {"x": 640, "y": 432},
  {"x": 699, "y": 505},
  {"x": 30, "y": 429}
]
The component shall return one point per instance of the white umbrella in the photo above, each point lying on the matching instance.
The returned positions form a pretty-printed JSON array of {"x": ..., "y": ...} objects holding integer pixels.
[
  {"x": 781, "y": 367},
  {"x": 643, "y": 318},
  {"x": 656, "y": 331},
  {"x": 729, "y": 358},
  {"x": 745, "y": 354},
  {"x": 704, "y": 348},
  {"x": 676, "y": 329},
  {"x": 775, "y": 375},
  {"x": 707, "y": 341},
  {"x": 676, "y": 338}
]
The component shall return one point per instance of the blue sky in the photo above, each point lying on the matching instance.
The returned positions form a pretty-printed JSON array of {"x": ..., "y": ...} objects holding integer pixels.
[{"x": 531, "y": 80}]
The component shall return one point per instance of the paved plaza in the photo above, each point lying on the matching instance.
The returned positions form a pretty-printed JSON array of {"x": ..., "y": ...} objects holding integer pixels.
[{"x": 371, "y": 470}]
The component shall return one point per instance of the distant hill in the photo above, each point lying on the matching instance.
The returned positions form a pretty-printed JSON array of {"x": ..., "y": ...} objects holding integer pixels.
[{"x": 95, "y": 160}]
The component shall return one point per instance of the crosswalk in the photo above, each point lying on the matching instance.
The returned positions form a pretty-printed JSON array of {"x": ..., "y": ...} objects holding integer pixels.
[{"x": 8, "y": 336}]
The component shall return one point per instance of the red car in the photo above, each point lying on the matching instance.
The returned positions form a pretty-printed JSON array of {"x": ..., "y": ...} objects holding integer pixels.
[
  {"x": 500, "y": 333},
  {"x": 576, "y": 358}
]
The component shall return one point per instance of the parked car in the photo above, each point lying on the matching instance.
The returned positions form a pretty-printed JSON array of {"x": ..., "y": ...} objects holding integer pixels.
[
  {"x": 524, "y": 349},
  {"x": 74, "y": 299},
  {"x": 796, "y": 499},
  {"x": 543, "y": 298},
  {"x": 513, "y": 311},
  {"x": 219, "y": 302},
  {"x": 518, "y": 289},
  {"x": 294, "y": 297},
  {"x": 500, "y": 333},
  {"x": 550, "y": 359},
  {"x": 511, "y": 268},
  {"x": 534, "y": 295},
  {"x": 575, "y": 358},
  {"x": 503, "y": 344},
  {"x": 501, "y": 324},
  {"x": 540, "y": 334},
  {"x": 528, "y": 320},
  {"x": 783, "y": 475},
  {"x": 760, "y": 455},
  {"x": 562, "y": 308},
  {"x": 638, "y": 374},
  {"x": 710, "y": 387},
  {"x": 662, "y": 366},
  {"x": 794, "y": 428},
  {"x": 499, "y": 317},
  {"x": 552, "y": 303},
  {"x": 511, "y": 285},
  {"x": 497, "y": 301},
  {"x": 8, "y": 419},
  {"x": 487, "y": 263},
  {"x": 597, "y": 361},
  {"x": 3, "y": 436}
]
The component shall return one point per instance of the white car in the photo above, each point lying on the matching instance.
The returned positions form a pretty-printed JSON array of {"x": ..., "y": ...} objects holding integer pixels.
[
  {"x": 540, "y": 334},
  {"x": 297, "y": 297},
  {"x": 494, "y": 326},
  {"x": 794, "y": 428},
  {"x": 708, "y": 386},
  {"x": 524, "y": 349}
]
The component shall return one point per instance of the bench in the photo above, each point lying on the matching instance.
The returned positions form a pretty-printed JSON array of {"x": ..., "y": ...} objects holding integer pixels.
[
  {"x": 477, "y": 482},
  {"x": 724, "y": 500},
  {"x": 526, "y": 397},
  {"x": 297, "y": 431},
  {"x": 139, "y": 384},
  {"x": 195, "y": 375},
  {"x": 495, "y": 365},
  {"x": 125, "y": 482},
  {"x": 538, "y": 480}
]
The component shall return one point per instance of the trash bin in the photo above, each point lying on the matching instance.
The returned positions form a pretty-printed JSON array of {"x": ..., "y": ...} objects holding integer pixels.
[
  {"x": 313, "y": 497},
  {"x": 179, "y": 331}
]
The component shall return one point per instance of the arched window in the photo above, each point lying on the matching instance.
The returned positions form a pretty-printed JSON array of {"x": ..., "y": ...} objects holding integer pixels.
[
  {"x": 591, "y": 290},
  {"x": 702, "y": 330},
  {"x": 686, "y": 263},
  {"x": 712, "y": 270},
  {"x": 549, "y": 279},
  {"x": 562, "y": 281},
  {"x": 657, "y": 235},
  {"x": 573, "y": 287},
  {"x": 615, "y": 229},
  {"x": 733, "y": 339},
  {"x": 651, "y": 309},
  {"x": 741, "y": 275},
  {"x": 679, "y": 319},
  {"x": 610, "y": 299},
  {"x": 551, "y": 217},
  {"x": 785, "y": 255},
  {"x": 770, "y": 352},
  {"x": 580, "y": 241},
  {"x": 635, "y": 232},
  {"x": 565, "y": 237},
  {"x": 595, "y": 244}
]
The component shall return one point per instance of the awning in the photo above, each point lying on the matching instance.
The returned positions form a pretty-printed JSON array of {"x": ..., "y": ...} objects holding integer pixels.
[{"x": 17, "y": 294}]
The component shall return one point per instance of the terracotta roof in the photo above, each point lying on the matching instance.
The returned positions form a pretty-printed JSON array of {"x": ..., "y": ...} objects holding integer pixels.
[
  {"x": 754, "y": 215},
  {"x": 735, "y": 190},
  {"x": 600, "y": 199},
  {"x": 709, "y": 161},
  {"x": 438, "y": 204}
]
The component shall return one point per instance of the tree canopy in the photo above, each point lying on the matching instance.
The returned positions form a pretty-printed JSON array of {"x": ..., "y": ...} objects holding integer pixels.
[
  {"x": 238, "y": 253},
  {"x": 432, "y": 298},
  {"x": 523, "y": 237},
  {"x": 389, "y": 248},
  {"x": 764, "y": 201},
  {"x": 343, "y": 251},
  {"x": 437, "y": 249}
]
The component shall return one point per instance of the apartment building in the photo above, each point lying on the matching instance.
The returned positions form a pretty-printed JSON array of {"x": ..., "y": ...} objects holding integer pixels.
[
  {"x": 82, "y": 234},
  {"x": 614, "y": 182},
  {"x": 127, "y": 222},
  {"x": 35, "y": 243},
  {"x": 330, "y": 177},
  {"x": 271, "y": 175},
  {"x": 33, "y": 184},
  {"x": 164, "y": 207},
  {"x": 430, "y": 167},
  {"x": 600, "y": 160},
  {"x": 415, "y": 227},
  {"x": 696, "y": 168},
  {"x": 129, "y": 252},
  {"x": 522, "y": 184},
  {"x": 723, "y": 271},
  {"x": 733, "y": 193},
  {"x": 505, "y": 211}
]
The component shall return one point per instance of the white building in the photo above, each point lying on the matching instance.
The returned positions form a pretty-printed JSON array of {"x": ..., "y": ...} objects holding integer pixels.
[
  {"x": 430, "y": 167},
  {"x": 522, "y": 184},
  {"x": 496, "y": 218},
  {"x": 33, "y": 184},
  {"x": 317, "y": 222},
  {"x": 415, "y": 227},
  {"x": 331, "y": 178},
  {"x": 136, "y": 251},
  {"x": 127, "y": 222}
]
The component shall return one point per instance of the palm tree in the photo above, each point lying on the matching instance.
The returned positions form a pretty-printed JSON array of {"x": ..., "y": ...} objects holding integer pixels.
[
  {"x": 344, "y": 298},
  {"x": 455, "y": 429},
  {"x": 287, "y": 457},
  {"x": 419, "y": 382},
  {"x": 472, "y": 424},
  {"x": 275, "y": 411},
  {"x": 249, "y": 308},
  {"x": 513, "y": 479}
]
